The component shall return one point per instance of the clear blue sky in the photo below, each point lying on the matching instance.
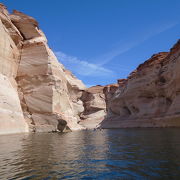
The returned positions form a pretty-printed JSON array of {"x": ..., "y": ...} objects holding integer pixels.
[{"x": 104, "y": 40}]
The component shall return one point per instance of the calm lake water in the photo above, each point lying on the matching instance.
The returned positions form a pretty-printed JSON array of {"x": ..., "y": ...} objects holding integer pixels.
[{"x": 107, "y": 154}]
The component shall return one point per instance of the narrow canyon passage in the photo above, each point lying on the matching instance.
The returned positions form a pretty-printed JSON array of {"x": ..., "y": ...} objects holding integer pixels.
[{"x": 38, "y": 92}]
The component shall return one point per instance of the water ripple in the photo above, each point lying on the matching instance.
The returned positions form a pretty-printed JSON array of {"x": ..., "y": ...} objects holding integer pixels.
[{"x": 108, "y": 154}]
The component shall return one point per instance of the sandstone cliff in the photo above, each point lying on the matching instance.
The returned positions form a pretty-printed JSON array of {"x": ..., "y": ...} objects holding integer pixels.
[
  {"x": 150, "y": 96},
  {"x": 96, "y": 101},
  {"x": 37, "y": 93},
  {"x": 11, "y": 115}
]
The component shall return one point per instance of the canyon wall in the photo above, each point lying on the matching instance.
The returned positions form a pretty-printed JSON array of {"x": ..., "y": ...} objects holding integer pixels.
[
  {"x": 150, "y": 96},
  {"x": 11, "y": 115},
  {"x": 37, "y": 93},
  {"x": 96, "y": 101}
]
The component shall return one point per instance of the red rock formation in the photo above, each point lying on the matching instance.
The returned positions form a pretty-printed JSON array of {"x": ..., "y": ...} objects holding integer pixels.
[{"x": 150, "y": 97}]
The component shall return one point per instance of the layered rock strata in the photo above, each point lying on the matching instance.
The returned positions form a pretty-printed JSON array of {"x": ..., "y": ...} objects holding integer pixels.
[
  {"x": 11, "y": 115},
  {"x": 37, "y": 92},
  {"x": 96, "y": 101},
  {"x": 150, "y": 96},
  {"x": 94, "y": 104}
]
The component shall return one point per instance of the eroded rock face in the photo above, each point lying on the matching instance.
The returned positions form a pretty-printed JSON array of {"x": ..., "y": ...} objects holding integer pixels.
[
  {"x": 38, "y": 90},
  {"x": 150, "y": 97},
  {"x": 43, "y": 82},
  {"x": 37, "y": 94},
  {"x": 11, "y": 115},
  {"x": 96, "y": 102}
]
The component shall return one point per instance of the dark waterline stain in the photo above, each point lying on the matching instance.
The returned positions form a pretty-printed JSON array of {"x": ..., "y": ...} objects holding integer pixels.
[{"x": 106, "y": 154}]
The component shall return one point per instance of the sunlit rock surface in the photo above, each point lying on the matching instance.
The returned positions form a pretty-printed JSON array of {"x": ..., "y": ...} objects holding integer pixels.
[
  {"x": 94, "y": 103},
  {"x": 11, "y": 115},
  {"x": 150, "y": 96},
  {"x": 37, "y": 91},
  {"x": 37, "y": 94}
]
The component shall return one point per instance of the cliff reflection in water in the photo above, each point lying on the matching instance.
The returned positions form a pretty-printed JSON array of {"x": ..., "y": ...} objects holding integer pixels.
[{"x": 130, "y": 153}]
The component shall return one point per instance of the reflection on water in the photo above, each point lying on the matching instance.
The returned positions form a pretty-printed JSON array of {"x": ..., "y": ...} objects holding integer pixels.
[{"x": 106, "y": 154}]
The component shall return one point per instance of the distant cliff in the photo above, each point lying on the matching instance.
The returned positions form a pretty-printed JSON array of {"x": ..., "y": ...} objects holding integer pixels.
[{"x": 36, "y": 92}]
